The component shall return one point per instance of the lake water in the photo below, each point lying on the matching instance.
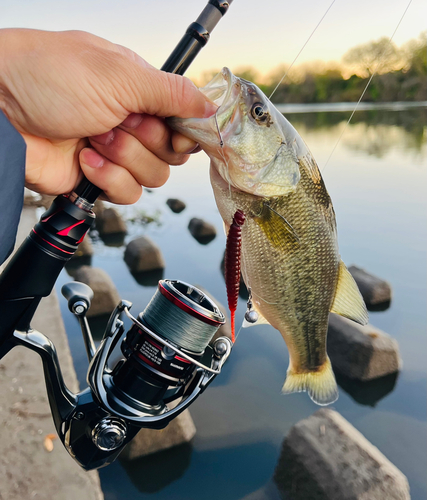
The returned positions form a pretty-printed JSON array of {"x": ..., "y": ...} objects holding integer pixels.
[{"x": 377, "y": 180}]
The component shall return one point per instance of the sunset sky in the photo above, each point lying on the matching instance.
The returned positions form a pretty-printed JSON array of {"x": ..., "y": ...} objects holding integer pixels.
[{"x": 258, "y": 33}]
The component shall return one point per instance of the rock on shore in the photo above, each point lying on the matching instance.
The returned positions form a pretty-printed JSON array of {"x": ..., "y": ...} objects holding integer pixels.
[
  {"x": 361, "y": 352},
  {"x": 142, "y": 254},
  {"x": 105, "y": 294},
  {"x": 375, "y": 291},
  {"x": 325, "y": 458}
]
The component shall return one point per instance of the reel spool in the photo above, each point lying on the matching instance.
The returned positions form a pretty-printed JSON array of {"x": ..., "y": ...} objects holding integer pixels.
[{"x": 164, "y": 346}]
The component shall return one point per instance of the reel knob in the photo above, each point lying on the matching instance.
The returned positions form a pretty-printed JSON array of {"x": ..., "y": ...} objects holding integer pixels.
[
  {"x": 79, "y": 296},
  {"x": 109, "y": 434}
]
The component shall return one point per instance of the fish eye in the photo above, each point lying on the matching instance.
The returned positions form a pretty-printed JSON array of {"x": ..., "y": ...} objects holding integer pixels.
[{"x": 259, "y": 112}]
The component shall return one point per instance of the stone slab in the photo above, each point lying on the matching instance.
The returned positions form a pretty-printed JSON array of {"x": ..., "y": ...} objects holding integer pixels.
[
  {"x": 374, "y": 290},
  {"x": 180, "y": 430},
  {"x": 109, "y": 221},
  {"x": 202, "y": 231},
  {"x": 325, "y": 458},
  {"x": 361, "y": 352},
  {"x": 105, "y": 294},
  {"x": 142, "y": 255}
]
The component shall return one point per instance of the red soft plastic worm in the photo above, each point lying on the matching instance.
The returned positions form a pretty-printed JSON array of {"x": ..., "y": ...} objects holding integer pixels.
[{"x": 232, "y": 265}]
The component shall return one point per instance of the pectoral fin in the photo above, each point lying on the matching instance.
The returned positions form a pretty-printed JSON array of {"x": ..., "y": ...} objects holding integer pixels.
[
  {"x": 277, "y": 229},
  {"x": 348, "y": 301}
]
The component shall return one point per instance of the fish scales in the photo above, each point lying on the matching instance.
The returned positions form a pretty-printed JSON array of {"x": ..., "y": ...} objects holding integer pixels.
[{"x": 290, "y": 258}]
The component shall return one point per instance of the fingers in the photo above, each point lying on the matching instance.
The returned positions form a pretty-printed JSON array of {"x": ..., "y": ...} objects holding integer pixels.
[
  {"x": 182, "y": 144},
  {"x": 118, "y": 184},
  {"x": 121, "y": 148},
  {"x": 155, "y": 135},
  {"x": 137, "y": 153}
]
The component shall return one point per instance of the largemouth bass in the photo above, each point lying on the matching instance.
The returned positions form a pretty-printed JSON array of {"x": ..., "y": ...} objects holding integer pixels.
[{"x": 262, "y": 169}]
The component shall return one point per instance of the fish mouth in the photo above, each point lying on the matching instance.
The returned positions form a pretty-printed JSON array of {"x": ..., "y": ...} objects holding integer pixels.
[{"x": 225, "y": 91}]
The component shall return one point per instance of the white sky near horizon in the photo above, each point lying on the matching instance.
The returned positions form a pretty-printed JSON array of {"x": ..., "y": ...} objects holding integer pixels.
[{"x": 259, "y": 33}]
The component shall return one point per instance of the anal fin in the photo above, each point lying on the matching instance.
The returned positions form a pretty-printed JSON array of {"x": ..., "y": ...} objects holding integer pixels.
[{"x": 348, "y": 301}]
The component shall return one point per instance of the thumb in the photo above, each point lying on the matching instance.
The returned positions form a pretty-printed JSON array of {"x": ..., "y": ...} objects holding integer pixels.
[{"x": 164, "y": 94}]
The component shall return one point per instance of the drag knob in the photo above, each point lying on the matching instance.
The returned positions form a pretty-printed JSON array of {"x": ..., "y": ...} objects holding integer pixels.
[{"x": 109, "y": 434}]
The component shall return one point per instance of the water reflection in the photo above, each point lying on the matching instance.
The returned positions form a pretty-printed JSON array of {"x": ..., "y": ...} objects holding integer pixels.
[
  {"x": 148, "y": 278},
  {"x": 374, "y": 132},
  {"x": 97, "y": 325},
  {"x": 156, "y": 471},
  {"x": 370, "y": 392},
  {"x": 113, "y": 240},
  {"x": 76, "y": 262},
  {"x": 379, "y": 307}
]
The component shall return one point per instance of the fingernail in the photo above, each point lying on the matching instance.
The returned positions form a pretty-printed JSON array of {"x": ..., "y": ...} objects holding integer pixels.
[
  {"x": 191, "y": 149},
  {"x": 91, "y": 158},
  {"x": 210, "y": 109},
  {"x": 104, "y": 139},
  {"x": 132, "y": 121}
]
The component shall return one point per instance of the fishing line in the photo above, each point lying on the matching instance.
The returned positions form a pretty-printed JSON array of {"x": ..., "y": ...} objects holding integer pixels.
[
  {"x": 377, "y": 67},
  {"x": 302, "y": 48},
  {"x": 177, "y": 325},
  {"x": 238, "y": 333}
]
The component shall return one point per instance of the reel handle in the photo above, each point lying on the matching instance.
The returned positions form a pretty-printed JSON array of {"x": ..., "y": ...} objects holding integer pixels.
[{"x": 79, "y": 296}]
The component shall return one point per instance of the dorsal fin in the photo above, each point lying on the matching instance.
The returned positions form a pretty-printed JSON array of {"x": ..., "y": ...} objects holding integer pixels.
[{"x": 348, "y": 301}]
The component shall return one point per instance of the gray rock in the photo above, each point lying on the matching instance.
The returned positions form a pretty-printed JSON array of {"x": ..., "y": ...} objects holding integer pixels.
[
  {"x": 361, "y": 352},
  {"x": 177, "y": 206},
  {"x": 181, "y": 430},
  {"x": 202, "y": 231},
  {"x": 105, "y": 294},
  {"x": 142, "y": 254},
  {"x": 374, "y": 290},
  {"x": 325, "y": 458},
  {"x": 109, "y": 221}
]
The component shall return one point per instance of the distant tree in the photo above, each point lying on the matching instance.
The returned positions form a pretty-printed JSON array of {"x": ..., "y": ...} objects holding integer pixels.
[
  {"x": 247, "y": 73},
  {"x": 416, "y": 55},
  {"x": 379, "y": 56},
  {"x": 251, "y": 75}
]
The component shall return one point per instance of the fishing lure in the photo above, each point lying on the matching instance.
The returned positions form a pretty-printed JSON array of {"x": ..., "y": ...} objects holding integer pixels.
[{"x": 232, "y": 265}]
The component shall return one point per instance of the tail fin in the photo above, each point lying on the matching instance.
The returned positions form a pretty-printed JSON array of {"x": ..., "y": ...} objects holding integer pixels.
[{"x": 320, "y": 385}]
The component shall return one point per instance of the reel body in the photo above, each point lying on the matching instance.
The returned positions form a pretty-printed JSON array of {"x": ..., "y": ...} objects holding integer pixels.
[{"x": 137, "y": 391}]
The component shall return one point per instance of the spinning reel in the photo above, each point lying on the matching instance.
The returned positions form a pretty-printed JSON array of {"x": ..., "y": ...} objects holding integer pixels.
[{"x": 152, "y": 372}]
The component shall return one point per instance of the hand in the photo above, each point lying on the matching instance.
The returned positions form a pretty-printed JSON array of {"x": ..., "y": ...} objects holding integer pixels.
[{"x": 87, "y": 106}]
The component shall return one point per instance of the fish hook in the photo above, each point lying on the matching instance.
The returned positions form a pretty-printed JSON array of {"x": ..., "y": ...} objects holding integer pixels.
[{"x": 221, "y": 142}]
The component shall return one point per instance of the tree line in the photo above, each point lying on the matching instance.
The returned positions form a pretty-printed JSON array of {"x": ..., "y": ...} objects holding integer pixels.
[{"x": 399, "y": 75}]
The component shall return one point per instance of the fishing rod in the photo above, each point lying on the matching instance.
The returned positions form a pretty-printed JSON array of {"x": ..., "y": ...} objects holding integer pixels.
[{"x": 167, "y": 354}]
